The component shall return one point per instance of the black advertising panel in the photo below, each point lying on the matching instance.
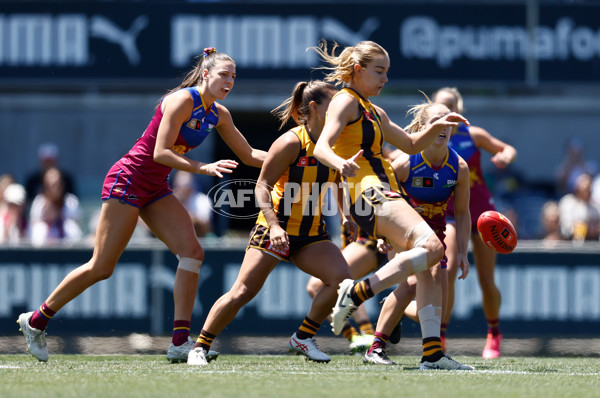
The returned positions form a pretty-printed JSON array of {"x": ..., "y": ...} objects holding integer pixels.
[
  {"x": 79, "y": 41},
  {"x": 569, "y": 43}
]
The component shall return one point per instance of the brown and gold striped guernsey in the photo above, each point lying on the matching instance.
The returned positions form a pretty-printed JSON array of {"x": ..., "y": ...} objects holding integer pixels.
[
  {"x": 298, "y": 194},
  {"x": 366, "y": 134}
]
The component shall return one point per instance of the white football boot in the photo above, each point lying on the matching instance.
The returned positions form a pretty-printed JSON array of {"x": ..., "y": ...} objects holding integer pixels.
[
  {"x": 35, "y": 338},
  {"x": 308, "y": 348}
]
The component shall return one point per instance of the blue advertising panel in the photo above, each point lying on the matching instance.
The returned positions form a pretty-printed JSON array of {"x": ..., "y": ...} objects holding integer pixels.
[{"x": 77, "y": 41}]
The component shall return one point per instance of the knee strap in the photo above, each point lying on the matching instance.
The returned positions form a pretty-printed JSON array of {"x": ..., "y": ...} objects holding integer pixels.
[
  {"x": 418, "y": 255},
  {"x": 189, "y": 264},
  {"x": 422, "y": 231},
  {"x": 418, "y": 259}
]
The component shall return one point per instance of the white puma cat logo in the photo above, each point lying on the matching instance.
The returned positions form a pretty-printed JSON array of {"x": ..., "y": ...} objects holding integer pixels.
[
  {"x": 334, "y": 29},
  {"x": 106, "y": 29}
]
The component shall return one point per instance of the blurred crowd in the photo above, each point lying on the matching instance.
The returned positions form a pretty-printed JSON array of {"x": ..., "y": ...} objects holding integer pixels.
[
  {"x": 44, "y": 209},
  {"x": 569, "y": 211},
  {"x": 578, "y": 207}
]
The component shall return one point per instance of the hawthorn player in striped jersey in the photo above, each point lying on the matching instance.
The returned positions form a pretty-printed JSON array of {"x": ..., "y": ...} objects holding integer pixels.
[{"x": 289, "y": 227}]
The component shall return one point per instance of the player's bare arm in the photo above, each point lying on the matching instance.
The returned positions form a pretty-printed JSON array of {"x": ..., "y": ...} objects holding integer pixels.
[
  {"x": 281, "y": 155},
  {"x": 236, "y": 140},
  {"x": 503, "y": 154},
  {"x": 342, "y": 110},
  {"x": 462, "y": 215}
]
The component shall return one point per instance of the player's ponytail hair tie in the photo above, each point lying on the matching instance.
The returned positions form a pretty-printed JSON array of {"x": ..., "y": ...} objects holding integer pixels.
[{"x": 209, "y": 50}]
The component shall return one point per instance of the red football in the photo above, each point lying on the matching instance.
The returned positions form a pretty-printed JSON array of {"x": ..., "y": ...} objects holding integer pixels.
[{"x": 497, "y": 232}]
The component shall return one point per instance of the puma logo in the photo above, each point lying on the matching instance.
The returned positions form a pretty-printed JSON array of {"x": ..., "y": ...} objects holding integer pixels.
[
  {"x": 106, "y": 29},
  {"x": 334, "y": 29}
]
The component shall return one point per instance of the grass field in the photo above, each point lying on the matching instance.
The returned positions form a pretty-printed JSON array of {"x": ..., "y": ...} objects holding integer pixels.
[{"x": 291, "y": 376}]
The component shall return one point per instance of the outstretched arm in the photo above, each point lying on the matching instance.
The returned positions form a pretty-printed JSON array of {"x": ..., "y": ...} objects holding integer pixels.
[
  {"x": 416, "y": 142},
  {"x": 503, "y": 154},
  {"x": 236, "y": 140}
]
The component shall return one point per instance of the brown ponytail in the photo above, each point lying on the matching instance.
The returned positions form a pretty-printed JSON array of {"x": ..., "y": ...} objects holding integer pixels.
[{"x": 297, "y": 106}]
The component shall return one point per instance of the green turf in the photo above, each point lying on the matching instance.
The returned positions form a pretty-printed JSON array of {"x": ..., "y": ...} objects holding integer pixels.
[{"x": 290, "y": 376}]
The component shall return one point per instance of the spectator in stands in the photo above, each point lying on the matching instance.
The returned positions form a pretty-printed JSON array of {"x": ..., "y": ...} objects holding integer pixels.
[
  {"x": 55, "y": 214},
  {"x": 596, "y": 191},
  {"x": 551, "y": 222},
  {"x": 197, "y": 203},
  {"x": 48, "y": 157},
  {"x": 5, "y": 180},
  {"x": 13, "y": 219},
  {"x": 579, "y": 218},
  {"x": 572, "y": 166}
]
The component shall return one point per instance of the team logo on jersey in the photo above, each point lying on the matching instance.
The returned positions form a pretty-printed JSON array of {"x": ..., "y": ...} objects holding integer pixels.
[
  {"x": 450, "y": 183},
  {"x": 422, "y": 182},
  {"x": 307, "y": 161},
  {"x": 369, "y": 116},
  {"x": 194, "y": 124}
]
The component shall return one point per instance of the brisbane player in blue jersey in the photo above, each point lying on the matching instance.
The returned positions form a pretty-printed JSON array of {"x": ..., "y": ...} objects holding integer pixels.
[
  {"x": 468, "y": 141},
  {"x": 428, "y": 179},
  {"x": 137, "y": 186}
]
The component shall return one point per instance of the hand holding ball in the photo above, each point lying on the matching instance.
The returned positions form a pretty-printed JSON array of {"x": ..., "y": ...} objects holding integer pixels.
[{"x": 497, "y": 232}]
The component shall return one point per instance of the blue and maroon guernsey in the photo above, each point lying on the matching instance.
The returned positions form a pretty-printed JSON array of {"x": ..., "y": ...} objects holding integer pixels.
[
  {"x": 429, "y": 188},
  {"x": 136, "y": 178},
  {"x": 201, "y": 123}
]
